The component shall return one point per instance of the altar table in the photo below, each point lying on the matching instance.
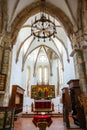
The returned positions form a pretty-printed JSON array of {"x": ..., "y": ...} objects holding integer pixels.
[
  {"x": 42, "y": 121},
  {"x": 42, "y": 104}
]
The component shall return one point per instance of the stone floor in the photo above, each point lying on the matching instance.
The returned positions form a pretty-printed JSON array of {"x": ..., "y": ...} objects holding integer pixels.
[{"x": 27, "y": 124}]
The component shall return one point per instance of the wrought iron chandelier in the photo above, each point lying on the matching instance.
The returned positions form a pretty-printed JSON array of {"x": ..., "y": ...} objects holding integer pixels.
[{"x": 43, "y": 27}]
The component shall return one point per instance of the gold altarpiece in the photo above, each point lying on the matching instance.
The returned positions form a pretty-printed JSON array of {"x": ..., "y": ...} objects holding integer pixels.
[
  {"x": 42, "y": 91},
  {"x": 42, "y": 95}
]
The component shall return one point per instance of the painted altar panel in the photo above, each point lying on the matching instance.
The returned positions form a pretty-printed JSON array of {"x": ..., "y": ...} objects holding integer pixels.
[{"x": 42, "y": 91}]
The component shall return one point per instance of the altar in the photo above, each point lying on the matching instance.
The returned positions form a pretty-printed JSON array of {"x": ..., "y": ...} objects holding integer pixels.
[
  {"x": 42, "y": 95},
  {"x": 42, "y": 105}
]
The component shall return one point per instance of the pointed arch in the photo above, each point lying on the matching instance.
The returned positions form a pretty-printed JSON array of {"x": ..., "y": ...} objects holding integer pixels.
[
  {"x": 64, "y": 47},
  {"x": 34, "y": 8},
  {"x": 61, "y": 60},
  {"x": 36, "y": 61},
  {"x": 49, "y": 62},
  {"x": 21, "y": 44}
]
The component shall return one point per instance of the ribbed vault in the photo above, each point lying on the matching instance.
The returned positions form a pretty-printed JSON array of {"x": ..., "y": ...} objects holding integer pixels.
[
  {"x": 33, "y": 9},
  {"x": 20, "y": 23}
]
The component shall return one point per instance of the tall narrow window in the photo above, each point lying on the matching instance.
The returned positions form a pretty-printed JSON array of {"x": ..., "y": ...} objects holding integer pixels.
[
  {"x": 60, "y": 74},
  {"x": 40, "y": 75},
  {"x": 45, "y": 75},
  {"x": 27, "y": 80}
]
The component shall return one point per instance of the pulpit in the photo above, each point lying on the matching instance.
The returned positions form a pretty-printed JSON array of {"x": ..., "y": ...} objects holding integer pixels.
[{"x": 42, "y": 121}]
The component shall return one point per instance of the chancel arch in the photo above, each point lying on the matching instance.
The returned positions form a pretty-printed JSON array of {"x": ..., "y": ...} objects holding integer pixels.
[
  {"x": 71, "y": 25},
  {"x": 27, "y": 12},
  {"x": 19, "y": 24},
  {"x": 41, "y": 67}
]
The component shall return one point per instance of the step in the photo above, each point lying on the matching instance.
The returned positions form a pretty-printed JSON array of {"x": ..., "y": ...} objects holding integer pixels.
[{"x": 30, "y": 115}]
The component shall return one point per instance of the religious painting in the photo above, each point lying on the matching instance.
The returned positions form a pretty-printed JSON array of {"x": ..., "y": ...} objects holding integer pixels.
[{"x": 42, "y": 91}]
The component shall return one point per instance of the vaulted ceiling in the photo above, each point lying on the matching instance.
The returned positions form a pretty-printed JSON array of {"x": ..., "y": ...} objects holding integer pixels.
[
  {"x": 22, "y": 12},
  {"x": 69, "y": 7}
]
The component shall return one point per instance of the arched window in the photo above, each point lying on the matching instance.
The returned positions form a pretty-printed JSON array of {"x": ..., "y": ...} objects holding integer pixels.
[
  {"x": 27, "y": 80},
  {"x": 45, "y": 75},
  {"x": 60, "y": 74},
  {"x": 40, "y": 75}
]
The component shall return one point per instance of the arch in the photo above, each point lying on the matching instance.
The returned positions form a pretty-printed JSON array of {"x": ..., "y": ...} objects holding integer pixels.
[
  {"x": 37, "y": 59},
  {"x": 64, "y": 47},
  {"x": 34, "y": 8},
  {"x": 59, "y": 56},
  {"x": 22, "y": 43}
]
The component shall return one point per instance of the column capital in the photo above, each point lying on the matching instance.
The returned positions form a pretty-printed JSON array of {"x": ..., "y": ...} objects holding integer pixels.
[
  {"x": 78, "y": 42},
  {"x": 7, "y": 41}
]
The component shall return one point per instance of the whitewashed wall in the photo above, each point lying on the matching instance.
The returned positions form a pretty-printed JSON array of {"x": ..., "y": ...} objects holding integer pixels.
[
  {"x": 16, "y": 73},
  {"x": 69, "y": 71},
  {"x": 18, "y": 77}
]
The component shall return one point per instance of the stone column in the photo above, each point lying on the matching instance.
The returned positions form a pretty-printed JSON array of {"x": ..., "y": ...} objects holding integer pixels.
[
  {"x": 85, "y": 59},
  {"x": 84, "y": 22},
  {"x": 76, "y": 67},
  {"x": 84, "y": 19},
  {"x": 78, "y": 46},
  {"x": 6, "y": 67},
  {"x": 81, "y": 69},
  {"x": 1, "y": 56}
]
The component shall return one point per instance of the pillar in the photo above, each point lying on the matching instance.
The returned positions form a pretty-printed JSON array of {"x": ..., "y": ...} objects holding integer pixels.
[
  {"x": 85, "y": 59},
  {"x": 6, "y": 67},
  {"x": 81, "y": 70}
]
